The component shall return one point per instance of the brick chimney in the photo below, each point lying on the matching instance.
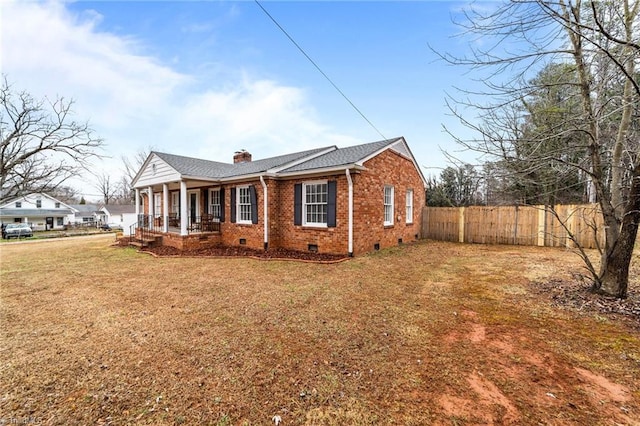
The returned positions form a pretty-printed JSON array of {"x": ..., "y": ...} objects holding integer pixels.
[{"x": 241, "y": 156}]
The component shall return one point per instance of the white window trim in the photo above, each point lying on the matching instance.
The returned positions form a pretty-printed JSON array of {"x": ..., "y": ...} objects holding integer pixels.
[
  {"x": 384, "y": 202},
  {"x": 157, "y": 204},
  {"x": 304, "y": 203},
  {"x": 219, "y": 204},
  {"x": 175, "y": 203},
  {"x": 409, "y": 206},
  {"x": 238, "y": 210}
]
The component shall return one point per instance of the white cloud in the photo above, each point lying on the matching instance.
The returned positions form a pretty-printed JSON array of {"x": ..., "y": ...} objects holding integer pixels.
[{"x": 134, "y": 102}]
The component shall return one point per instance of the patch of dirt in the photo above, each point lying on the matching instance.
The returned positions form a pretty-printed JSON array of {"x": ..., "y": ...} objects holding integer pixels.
[
  {"x": 605, "y": 390},
  {"x": 228, "y": 251}
]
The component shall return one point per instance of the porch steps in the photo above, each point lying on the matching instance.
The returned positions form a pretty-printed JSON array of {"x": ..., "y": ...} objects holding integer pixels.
[{"x": 146, "y": 242}]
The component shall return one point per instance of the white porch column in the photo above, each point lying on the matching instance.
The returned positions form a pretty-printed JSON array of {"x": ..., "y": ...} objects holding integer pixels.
[
  {"x": 165, "y": 207},
  {"x": 137, "y": 203},
  {"x": 150, "y": 192},
  {"x": 183, "y": 208}
]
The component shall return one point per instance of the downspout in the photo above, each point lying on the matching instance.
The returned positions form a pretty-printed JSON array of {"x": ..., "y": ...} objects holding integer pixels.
[
  {"x": 265, "y": 212},
  {"x": 350, "y": 182}
]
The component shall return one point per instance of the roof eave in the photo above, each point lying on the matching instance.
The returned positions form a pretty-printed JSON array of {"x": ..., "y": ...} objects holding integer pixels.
[
  {"x": 202, "y": 178},
  {"x": 323, "y": 171}
]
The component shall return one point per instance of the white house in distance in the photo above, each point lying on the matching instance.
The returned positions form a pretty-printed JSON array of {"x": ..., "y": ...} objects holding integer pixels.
[
  {"x": 41, "y": 211},
  {"x": 86, "y": 214},
  {"x": 121, "y": 215}
]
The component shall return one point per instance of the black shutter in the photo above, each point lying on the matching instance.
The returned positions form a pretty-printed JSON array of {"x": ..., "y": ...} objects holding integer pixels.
[
  {"x": 253, "y": 198},
  {"x": 331, "y": 203},
  {"x": 206, "y": 201},
  {"x": 222, "y": 204},
  {"x": 297, "y": 204},
  {"x": 233, "y": 205}
]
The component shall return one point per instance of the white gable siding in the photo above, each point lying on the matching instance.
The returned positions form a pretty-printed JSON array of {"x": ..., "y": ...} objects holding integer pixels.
[
  {"x": 161, "y": 173},
  {"x": 31, "y": 202}
]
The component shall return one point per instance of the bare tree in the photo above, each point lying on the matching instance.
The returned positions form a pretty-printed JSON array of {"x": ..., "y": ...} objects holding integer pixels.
[
  {"x": 598, "y": 43},
  {"x": 131, "y": 168},
  {"x": 66, "y": 194},
  {"x": 41, "y": 145},
  {"x": 107, "y": 188}
]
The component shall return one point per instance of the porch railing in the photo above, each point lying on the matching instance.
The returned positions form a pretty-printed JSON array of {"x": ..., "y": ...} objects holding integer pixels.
[{"x": 195, "y": 224}]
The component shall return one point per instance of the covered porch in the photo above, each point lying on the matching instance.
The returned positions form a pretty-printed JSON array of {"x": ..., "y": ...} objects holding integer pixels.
[
  {"x": 177, "y": 211},
  {"x": 180, "y": 207},
  {"x": 195, "y": 225}
]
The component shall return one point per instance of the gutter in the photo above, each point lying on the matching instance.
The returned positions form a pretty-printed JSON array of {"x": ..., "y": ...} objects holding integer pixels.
[
  {"x": 321, "y": 171},
  {"x": 350, "y": 182},
  {"x": 265, "y": 208}
]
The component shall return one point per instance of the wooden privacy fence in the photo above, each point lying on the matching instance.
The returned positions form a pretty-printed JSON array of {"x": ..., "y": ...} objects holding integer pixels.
[{"x": 516, "y": 225}]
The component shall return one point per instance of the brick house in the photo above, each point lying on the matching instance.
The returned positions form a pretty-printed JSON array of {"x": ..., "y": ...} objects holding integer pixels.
[{"x": 330, "y": 200}]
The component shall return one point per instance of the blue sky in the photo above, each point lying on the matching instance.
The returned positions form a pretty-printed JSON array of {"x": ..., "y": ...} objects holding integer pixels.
[{"x": 207, "y": 78}]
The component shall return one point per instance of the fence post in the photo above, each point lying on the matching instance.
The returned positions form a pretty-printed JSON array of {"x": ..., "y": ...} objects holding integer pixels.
[
  {"x": 542, "y": 219},
  {"x": 461, "y": 225},
  {"x": 572, "y": 225}
]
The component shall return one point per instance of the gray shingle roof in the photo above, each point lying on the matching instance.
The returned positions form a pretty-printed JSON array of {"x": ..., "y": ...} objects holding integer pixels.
[
  {"x": 335, "y": 157},
  {"x": 189, "y": 166},
  {"x": 85, "y": 208},
  {"x": 258, "y": 166},
  {"x": 341, "y": 156}
]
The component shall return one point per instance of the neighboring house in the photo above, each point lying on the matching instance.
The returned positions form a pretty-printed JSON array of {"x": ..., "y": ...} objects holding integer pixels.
[
  {"x": 122, "y": 215},
  {"x": 41, "y": 211},
  {"x": 86, "y": 214},
  {"x": 330, "y": 200}
]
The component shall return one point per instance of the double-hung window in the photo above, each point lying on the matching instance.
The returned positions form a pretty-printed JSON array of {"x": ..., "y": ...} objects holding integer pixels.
[
  {"x": 157, "y": 205},
  {"x": 388, "y": 205},
  {"x": 214, "y": 203},
  {"x": 315, "y": 203},
  {"x": 175, "y": 203},
  {"x": 244, "y": 205},
  {"x": 409, "y": 206}
]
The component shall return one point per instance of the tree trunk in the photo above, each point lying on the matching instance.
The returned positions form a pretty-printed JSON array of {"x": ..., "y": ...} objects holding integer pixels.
[
  {"x": 614, "y": 274},
  {"x": 614, "y": 271},
  {"x": 617, "y": 168}
]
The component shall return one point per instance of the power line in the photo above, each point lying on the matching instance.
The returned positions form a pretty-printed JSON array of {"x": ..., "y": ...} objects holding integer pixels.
[{"x": 319, "y": 69}]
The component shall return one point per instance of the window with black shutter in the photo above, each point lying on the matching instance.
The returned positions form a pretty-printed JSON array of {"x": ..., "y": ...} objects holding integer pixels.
[{"x": 315, "y": 204}]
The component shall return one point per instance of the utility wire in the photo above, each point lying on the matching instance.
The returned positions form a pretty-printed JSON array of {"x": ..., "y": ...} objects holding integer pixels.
[{"x": 319, "y": 69}]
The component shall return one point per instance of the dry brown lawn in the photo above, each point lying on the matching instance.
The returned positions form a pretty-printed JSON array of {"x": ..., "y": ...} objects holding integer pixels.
[{"x": 425, "y": 334}]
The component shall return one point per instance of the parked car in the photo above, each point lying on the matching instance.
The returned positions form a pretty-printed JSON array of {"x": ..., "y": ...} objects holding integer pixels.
[
  {"x": 110, "y": 226},
  {"x": 16, "y": 230}
]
